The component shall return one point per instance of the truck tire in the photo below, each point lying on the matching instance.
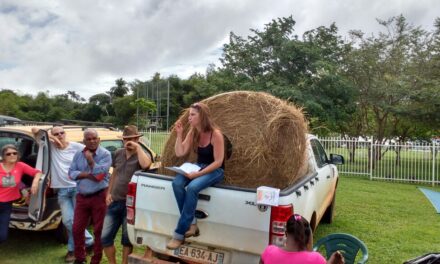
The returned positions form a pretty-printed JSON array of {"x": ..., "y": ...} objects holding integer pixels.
[
  {"x": 61, "y": 234},
  {"x": 313, "y": 224},
  {"x": 327, "y": 218}
]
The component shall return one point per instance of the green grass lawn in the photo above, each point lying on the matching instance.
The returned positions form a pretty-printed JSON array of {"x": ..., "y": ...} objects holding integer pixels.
[
  {"x": 395, "y": 221},
  {"x": 415, "y": 164},
  {"x": 25, "y": 247},
  {"x": 158, "y": 141}
]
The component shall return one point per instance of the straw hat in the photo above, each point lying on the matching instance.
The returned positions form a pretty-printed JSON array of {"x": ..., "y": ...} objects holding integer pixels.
[{"x": 130, "y": 131}]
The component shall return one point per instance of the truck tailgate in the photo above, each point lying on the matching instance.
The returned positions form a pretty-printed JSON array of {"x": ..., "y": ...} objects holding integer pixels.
[{"x": 230, "y": 221}]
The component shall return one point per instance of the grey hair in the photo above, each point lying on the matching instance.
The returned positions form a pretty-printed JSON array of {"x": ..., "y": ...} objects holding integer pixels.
[
  {"x": 51, "y": 130},
  {"x": 8, "y": 146},
  {"x": 90, "y": 131}
]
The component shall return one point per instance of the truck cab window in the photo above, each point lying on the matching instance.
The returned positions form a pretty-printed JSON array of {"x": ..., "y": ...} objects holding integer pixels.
[{"x": 319, "y": 153}]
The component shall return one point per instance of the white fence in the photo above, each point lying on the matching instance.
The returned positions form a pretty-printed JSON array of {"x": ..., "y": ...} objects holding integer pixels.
[
  {"x": 155, "y": 140},
  {"x": 411, "y": 162},
  {"x": 418, "y": 163}
]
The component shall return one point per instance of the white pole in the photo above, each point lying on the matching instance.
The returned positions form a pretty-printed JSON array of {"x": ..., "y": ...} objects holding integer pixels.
[
  {"x": 149, "y": 135},
  {"x": 168, "y": 104},
  {"x": 433, "y": 164},
  {"x": 137, "y": 107},
  {"x": 371, "y": 158}
]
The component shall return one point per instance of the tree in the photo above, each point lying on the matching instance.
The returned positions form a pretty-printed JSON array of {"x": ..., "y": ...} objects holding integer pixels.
[
  {"x": 120, "y": 90},
  {"x": 11, "y": 104},
  {"x": 396, "y": 80},
  {"x": 328, "y": 95},
  {"x": 144, "y": 106},
  {"x": 177, "y": 92},
  {"x": 198, "y": 88},
  {"x": 91, "y": 112},
  {"x": 103, "y": 101},
  {"x": 305, "y": 71},
  {"x": 75, "y": 97},
  {"x": 100, "y": 99},
  {"x": 124, "y": 110},
  {"x": 393, "y": 73}
]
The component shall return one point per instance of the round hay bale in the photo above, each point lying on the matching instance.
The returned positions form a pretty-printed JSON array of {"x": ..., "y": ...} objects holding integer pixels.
[{"x": 268, "y": 137}]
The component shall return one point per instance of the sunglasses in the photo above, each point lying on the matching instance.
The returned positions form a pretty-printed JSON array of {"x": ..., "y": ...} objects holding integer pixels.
[
  {"x": 11, "y": 154},
  {"x": 196, "y": 106},
  {"x": 59, "y": 133}
]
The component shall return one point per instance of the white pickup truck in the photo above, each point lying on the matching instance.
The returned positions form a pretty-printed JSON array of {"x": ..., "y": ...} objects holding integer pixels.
[{"x": 233, "y": 228}]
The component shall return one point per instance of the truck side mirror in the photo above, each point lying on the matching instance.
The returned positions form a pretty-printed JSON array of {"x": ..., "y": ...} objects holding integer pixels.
[{"x": 336, "y": 159}]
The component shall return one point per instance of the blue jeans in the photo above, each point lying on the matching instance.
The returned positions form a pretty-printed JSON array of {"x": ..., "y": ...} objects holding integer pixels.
[
  {"x": 67, "y": 200},
  {"x": 115, "y": 217},
  {"x": 5, "y": 216},
  {"x": 187, "y": 199}
]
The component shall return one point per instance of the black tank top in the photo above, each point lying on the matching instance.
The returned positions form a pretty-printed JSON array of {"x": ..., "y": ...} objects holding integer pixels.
[{"x": 205, "y": 155}]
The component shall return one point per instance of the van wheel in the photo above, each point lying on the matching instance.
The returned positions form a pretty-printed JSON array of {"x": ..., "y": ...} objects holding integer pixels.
[
  {"x": 329, "y": 212},
  {"x": 61, "y": 234}
]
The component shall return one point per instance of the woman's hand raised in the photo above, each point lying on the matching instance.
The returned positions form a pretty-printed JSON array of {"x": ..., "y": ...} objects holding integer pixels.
[{"x": 179, "y": 128}]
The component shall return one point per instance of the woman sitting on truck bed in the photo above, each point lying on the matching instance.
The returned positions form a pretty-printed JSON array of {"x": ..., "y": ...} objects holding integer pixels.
[{"x": 206, "y": 139}]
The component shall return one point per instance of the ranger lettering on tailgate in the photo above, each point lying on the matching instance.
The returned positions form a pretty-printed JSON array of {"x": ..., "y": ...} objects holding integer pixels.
[{"x": 153, "y": 186}]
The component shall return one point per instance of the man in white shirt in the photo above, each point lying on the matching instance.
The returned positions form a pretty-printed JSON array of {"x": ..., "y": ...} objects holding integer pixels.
[{"x": 62, "y": 152}]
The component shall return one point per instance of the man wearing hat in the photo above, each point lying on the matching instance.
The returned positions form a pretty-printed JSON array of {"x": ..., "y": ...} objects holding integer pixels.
[{"x": 127, "y": 160}]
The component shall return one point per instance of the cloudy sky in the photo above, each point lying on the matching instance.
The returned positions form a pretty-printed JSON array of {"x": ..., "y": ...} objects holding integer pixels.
[{"x": 85, "y": 45}]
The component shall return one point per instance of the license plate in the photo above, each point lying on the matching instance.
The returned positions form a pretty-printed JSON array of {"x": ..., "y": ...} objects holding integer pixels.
[{"x": 199, "y": 254}]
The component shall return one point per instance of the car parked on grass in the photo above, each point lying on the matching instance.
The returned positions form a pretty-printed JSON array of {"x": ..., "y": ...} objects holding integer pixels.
[{"x": 41, "y": 211}]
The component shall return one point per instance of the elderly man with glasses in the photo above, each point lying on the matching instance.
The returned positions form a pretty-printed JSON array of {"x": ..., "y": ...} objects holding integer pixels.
[{"x": 62, "y": 152}]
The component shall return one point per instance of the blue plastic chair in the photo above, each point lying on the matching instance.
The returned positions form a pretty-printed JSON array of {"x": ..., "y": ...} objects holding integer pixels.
[{"x": 347, "y": 244}]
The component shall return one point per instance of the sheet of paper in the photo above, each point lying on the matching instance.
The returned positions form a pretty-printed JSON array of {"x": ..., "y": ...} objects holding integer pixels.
[
  {"x": 185, "y": 168},
  {"x": 268, "y": 196}
]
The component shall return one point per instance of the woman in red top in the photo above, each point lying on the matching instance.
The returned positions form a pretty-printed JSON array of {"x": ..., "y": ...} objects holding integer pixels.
[{"x": 11, "y": 171}]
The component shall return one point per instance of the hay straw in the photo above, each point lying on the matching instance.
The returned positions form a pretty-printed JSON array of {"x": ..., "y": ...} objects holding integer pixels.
[{"x": 268, "y": 137}]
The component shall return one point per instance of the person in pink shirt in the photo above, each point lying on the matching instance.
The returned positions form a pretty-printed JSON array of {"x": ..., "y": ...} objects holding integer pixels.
[
  {"x": 298, "y": 236},
  {"x": 11, "y": 171}
]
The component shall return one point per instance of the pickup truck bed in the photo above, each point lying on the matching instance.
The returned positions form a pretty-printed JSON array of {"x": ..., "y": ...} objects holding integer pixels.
[{"x": 233, "y": 228}]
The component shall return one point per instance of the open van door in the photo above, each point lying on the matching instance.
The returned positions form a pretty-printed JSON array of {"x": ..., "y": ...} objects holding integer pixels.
[{"x": 38, "y": 201}]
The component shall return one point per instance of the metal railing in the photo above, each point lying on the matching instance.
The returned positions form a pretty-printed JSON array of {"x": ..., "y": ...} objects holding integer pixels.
[
  {"x": 155, "y": 140},
  {"x": 405, "y": 162},
  {"x": 356, "y": 154}
]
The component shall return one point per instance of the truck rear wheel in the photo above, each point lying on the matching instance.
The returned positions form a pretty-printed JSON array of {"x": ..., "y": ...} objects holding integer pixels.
[
  {"x": 329, "y": 212},
  {"x": 313, "y": 223}
]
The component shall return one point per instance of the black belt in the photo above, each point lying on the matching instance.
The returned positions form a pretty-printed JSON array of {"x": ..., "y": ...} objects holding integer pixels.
[{"x": 92, "y": 194}]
